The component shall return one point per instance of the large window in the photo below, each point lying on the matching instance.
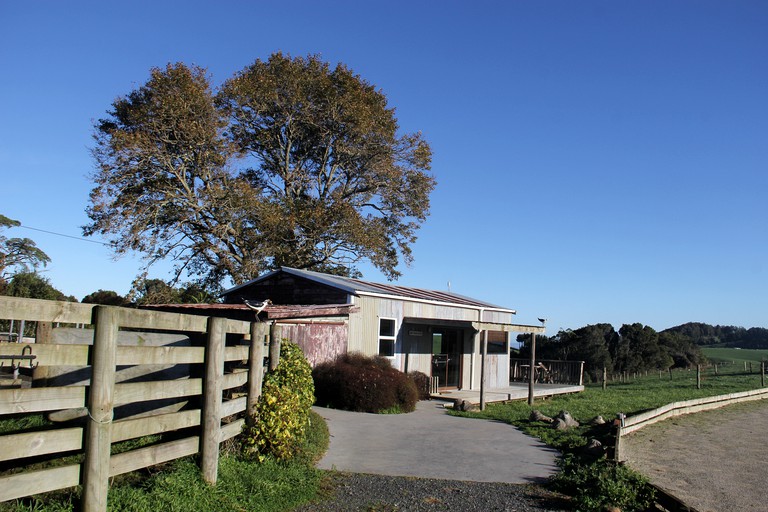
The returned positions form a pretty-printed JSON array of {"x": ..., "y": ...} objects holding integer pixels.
[
  {"x": 387, "y": 335},
  {"x": 497, "y": 342}
]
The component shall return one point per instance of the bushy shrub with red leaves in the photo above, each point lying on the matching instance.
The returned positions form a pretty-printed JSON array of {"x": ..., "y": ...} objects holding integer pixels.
[
  {"x": 421, "y": 380},
  {"x": 360, "y": 383}
]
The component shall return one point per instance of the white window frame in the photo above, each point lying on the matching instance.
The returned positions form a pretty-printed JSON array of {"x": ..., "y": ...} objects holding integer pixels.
[{"x": 392, "y": 338}]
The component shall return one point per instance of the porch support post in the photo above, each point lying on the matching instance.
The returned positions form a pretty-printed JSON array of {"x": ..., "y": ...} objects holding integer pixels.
[
  {"x": 473, "y": 359},
  {"x": 482, "y": 370},
  {"x": 532, "y": 371}
]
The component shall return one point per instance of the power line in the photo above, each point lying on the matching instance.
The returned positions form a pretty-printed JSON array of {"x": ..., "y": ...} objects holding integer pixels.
[{"x": 65, "y": 236}]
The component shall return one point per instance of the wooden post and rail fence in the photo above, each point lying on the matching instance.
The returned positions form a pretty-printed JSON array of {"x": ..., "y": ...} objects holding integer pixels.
[
  {"x": 138, "y": 373},
  {"x": 628, "y": 424}
]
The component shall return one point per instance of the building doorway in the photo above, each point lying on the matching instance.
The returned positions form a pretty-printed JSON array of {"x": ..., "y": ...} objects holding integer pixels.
[{"x": 446, "y": 357}]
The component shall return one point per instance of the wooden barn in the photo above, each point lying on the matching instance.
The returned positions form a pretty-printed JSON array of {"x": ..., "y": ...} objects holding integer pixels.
[{"x": 438, "y": 333}]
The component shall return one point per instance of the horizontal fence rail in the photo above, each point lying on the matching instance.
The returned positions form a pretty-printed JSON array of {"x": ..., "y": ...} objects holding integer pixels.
[
  {"x": 128, "y": 374},
  {"x": 630, "y": 424}
]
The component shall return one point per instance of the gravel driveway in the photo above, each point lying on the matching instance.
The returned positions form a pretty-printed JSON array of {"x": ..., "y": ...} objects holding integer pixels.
[
  {"x": 379, "y": 493},
  {"x": 713, "y": 461}
]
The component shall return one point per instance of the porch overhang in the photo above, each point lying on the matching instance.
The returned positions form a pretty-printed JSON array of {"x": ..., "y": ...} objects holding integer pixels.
[{"x": 477, "y": 326}]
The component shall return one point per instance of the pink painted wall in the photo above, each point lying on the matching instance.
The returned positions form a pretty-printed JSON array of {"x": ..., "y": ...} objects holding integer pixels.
[{"x": 320, "y": 341}]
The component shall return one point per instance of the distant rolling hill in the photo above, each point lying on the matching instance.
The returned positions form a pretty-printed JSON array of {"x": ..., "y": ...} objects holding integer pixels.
[{"x": 735, "y": 355}]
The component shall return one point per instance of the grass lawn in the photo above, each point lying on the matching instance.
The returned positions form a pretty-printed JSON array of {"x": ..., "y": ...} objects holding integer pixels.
[
  {"x": 632, "y": 397},
  {"x": 177, "y": 486},
  {"x": 735, "y": 355},
  {"x": 596, "y": 483}
]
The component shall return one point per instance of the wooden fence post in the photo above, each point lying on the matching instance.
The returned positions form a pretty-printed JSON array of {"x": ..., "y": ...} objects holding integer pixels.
[
  {"x": 43, "y": 335},
  {"x": 698, "y": 376},
  {"x": 483, "y": 355},
  {"x": 762, "y": 374},
  {"x": 532, "y": 372},
  {"x": 605, "y": 377},
  {"x": 259, "y": 332},
  {"x": 212, "y": 389},
  {"x": 274, "y": 345},
  {"x": 98, "y": 436}
]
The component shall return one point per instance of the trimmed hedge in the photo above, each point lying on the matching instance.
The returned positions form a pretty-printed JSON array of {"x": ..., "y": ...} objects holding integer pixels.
[{"x": 355, "y": 382}]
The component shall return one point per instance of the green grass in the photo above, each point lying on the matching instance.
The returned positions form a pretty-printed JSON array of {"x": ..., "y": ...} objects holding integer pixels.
[
  {"x": 596, "y": 483},
  {"x": 178, "y": 486},
  {"x": 632, "y": 397},
  {"x": 734, "y": 355}
]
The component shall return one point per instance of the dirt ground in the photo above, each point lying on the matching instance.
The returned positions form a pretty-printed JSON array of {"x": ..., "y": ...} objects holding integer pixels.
[{"x": 713, "y": 461}]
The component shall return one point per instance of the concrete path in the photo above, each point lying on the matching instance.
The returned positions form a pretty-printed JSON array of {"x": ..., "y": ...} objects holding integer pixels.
[{"x": 429, "y": 443}]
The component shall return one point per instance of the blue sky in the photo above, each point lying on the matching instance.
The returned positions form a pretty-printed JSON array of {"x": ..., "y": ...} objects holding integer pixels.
[{"x": 597, "y": 161}]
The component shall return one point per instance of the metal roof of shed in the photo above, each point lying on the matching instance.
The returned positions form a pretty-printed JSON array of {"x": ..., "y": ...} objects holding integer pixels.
[{"x": 360, "y": 287}]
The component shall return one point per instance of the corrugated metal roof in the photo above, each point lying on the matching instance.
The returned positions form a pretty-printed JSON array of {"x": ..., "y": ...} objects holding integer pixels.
[{"x": 358, "y": 286}]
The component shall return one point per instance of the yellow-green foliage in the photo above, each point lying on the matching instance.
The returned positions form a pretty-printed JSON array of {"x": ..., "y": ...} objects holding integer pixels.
[{"x": 282, "y": 412}]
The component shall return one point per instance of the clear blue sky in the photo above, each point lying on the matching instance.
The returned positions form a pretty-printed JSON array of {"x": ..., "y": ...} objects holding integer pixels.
[{"x": 596, "y": 161}]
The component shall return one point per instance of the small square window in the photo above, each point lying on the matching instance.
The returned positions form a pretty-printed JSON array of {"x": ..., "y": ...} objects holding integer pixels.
[
  {"x": 387, "y": 336},
  {"x": 386, "y": 327},
  {"x": 387, "y": 348}
]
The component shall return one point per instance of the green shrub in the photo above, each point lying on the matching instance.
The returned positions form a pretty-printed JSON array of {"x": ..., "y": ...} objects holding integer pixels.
[
  {"x": 599, "y": 484},
  {"x": 355, "y": 382},
  {"x": 282, "y": 411}
]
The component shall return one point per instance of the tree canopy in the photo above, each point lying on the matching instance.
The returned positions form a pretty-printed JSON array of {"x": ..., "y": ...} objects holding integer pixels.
[
  {"x": 722, "y": 335},
  {"x": 290, "y": 163},
  {"x": 18, "y": 255},
  {"x": 34, "y": 286},
  {"x": 105, "y": 297},
  {"x": 634, "y": 348}
]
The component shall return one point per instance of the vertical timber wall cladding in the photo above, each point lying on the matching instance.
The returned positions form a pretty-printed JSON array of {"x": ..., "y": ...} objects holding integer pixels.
[
  {"x": 417, "y": 348},
  {"x": 284, "y": 288},
  {"x": 364, "y": 330},
  {"x": 321, "y": 341}
]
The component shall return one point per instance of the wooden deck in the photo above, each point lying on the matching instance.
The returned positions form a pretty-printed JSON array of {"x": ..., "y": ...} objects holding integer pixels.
[{"x": 515, "y": 391}]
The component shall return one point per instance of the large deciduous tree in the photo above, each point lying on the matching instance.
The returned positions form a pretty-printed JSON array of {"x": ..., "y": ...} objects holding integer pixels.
[
  {"x": 290, "y": 163},
  {"x": 163, "y": 186},
  {"x": 339, "y": 182}
]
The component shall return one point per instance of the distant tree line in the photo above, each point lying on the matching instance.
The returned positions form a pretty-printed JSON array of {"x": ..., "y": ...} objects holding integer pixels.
[
  {"x": 634, "y": 348},
  {"x": 723, "y": 335}
]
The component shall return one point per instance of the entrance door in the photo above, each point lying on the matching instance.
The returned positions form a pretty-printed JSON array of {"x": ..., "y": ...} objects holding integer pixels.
[{"x": 446, "y": 357}]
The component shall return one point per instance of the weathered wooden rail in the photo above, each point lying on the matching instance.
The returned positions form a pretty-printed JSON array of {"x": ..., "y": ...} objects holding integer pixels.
[
  {"x": 116, "y": 402},
  {"x": 628, "y": 424}
]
